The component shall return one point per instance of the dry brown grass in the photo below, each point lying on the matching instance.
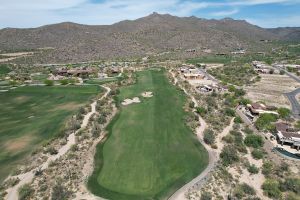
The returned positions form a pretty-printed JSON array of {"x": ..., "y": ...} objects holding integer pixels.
[
  {"x": 66, "y": 106},
  {"x": 271, "y": 90},
  {"x": 18, "y": 144}
]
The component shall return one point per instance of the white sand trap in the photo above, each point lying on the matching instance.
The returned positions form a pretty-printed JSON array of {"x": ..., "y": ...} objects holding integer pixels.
[
  {"x": 147, "y": 94},
  {"x": 130, "y": 101}
]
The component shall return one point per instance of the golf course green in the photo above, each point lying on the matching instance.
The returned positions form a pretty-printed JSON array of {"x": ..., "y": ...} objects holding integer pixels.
[
  {"x": 32, "y": 115},
  {"x": 149, "y": 152}
]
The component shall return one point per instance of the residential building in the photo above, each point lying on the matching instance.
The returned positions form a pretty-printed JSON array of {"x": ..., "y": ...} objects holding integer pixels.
[
  {"x": 259, "y": 108},
  {"x": 287, "y": 135}
]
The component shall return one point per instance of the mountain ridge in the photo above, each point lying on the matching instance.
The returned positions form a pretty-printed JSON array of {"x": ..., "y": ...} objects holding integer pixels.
[{"x": 152, "y": 34}]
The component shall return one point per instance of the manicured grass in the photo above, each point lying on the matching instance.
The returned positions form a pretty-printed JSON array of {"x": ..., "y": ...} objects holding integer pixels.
[
  {"x": 30, "y": 116},
  {"x": 102, "y": 81},
  {"x": 211, "y": 59},
  {"x": 149, "y": 151},
  {"x": 4, "y": 69}
]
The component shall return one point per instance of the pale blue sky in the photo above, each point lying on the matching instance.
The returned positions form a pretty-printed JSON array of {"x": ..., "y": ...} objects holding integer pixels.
[{"x": 33, "y": 13}]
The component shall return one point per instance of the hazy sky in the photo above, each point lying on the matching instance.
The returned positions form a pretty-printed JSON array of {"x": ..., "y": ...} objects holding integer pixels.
[{"x": 33, "y": 13}]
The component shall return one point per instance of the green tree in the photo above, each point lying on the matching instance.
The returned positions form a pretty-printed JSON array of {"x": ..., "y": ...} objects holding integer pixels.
[
  {"x": 201, "y": 111},
  {"x": 252, "y": 169},
  {"x": 229, "y": 155},
  {"x": 209, "y": 136},
  {"x": 267, "y": 168},
  {"x": 257, "y": 154},
  {"x": 271, "y": 188},
  {"x": 238, "y": 120},
  {"x": 64, "y": 81},
  {"x": 264, "y": 121},
  {"x": 291, "y": 184},
  {"x": 254, "y": 141},
  {"x": 239, "y": 92},
  {"x": 49, "y": 82},
  {"x": 243, "y": 190},
  {"x": 284, "y": 113},
  {"x": 229, "y": 112},
  {"x": 245, "y": 101}
]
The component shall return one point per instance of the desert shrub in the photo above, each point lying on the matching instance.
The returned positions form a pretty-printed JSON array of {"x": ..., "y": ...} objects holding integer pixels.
[
  {"x": 206, "y": 196},
  {"x": 43, "y": 187},
  {"x": 257, "y": 154},
  {"x": 283, "y": 112},
  {"x": 13, "y": 83},
  {"x": 191, "y": 104},
  {"x": 292, "y": 196},
  {"x": 25, "y": 192},
  {"x": 12, "y": 182},
  {"x": 38, "y": 172},
  {"x": 74, "y": 148},
  {"x": 247, "y": 189},
  {"x": 102, "y": 119},
  {"x": 284, "y": 167},
  {"x": 64, "y": 81},
  {"x": 245, "y": 101},
  {"x": 242, "y": 190},
  {"x": 247, "y": 131},
  {"x": 297, "y": 125},
  {"x": 252, "y": 169},
  {"x": 209, "y": 136},
  {"x": 230, "y": 101},
  {"x": 49, "y": 82},
  {"x": 82, "y": 111},
  {"x": 228, "y": 138},
  {"x": 72, "y": 81},
  {"x": 239, "y": 92},
  {"x": 229, "y": 155},
  {"x": 201, "y": 111},
  {"x": 238, "y": 120},
  {"x": 229, "y": 112},
  {"x": 291, "y": 184},
  {"x": 60, "y": 192},
  {"x": 254, "y": 141},
  {"x": 96, "y": 131},
  {"x": 238, "y": 141},
  {"x": 267, "y": 168},
  {"x": 271, "y": 188},
  {"x": 51, "y": 151}
]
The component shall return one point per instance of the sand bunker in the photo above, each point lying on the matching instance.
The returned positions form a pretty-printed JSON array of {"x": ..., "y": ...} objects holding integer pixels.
[
  {"x": 130, "y": 101},
  {"x": 147, "y": 94}
]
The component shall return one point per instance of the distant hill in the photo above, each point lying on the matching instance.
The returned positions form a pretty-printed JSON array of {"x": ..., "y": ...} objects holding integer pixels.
[
  {"x": 287, "y": 33},
  {"x": 151, "y": 34}
]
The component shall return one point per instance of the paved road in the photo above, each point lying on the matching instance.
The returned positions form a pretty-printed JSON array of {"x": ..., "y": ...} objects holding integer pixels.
[
  {"x": 243, "y": 116},
  {"x": 292, "y": 95},
  {"x": 208, "y": 75},
  {"x": 294, "y": 102}
]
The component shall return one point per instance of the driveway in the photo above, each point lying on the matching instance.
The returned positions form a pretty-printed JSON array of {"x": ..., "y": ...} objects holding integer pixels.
[
  {"x": 292, "y": 95},
  {"x": 294, "y": 102}
]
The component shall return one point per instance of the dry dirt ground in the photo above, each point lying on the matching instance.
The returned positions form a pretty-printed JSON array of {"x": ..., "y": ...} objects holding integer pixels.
[
  {"x": 271, "y": 90},
  {"x": 12, "y": 56}
]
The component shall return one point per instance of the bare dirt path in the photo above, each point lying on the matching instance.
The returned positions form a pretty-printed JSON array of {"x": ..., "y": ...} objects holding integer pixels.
[
  {"x": 12, "y": 193},
  {"x": 213, "y": 154}
]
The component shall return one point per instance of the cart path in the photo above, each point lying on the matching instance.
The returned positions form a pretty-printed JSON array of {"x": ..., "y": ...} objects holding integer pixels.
[
  {"x": 12, "y": 193},
  {"x": 213, "y": 154}
]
